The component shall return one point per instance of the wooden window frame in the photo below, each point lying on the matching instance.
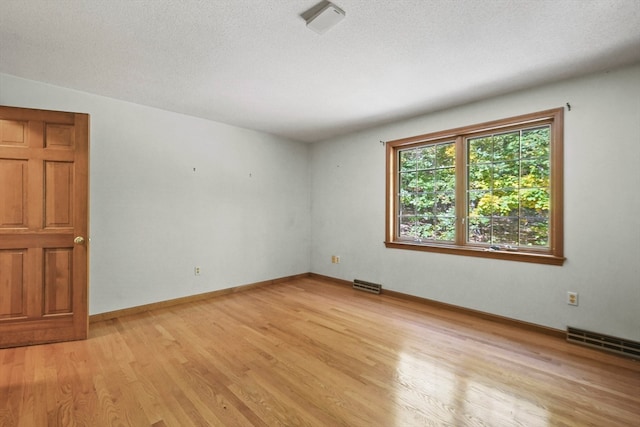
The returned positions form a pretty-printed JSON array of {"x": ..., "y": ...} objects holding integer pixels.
[{"x": 553, "y": 255}]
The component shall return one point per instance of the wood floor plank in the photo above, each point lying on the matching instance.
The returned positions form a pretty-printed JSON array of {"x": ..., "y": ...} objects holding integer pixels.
[{"x": 310, "y": 352}]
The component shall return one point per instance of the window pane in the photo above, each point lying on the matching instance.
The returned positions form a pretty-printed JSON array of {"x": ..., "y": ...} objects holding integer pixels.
[
  {"x": 445, "y": 155},
  {"x": 427, "y": 192},
  {"x": 506, "y": 175},
  {"x": 445, "y": 229},
  {"x": 534, "y": 232},
  {"x": 424, "y": 181},
  {"x": 505, "y": 202},
  {"x": 445, "y": 179},
  {"x": 506, "y": 146},
  {"x": 479, "y": 230},
  {"x": 505, "y": 231},
  {"x": 480, "y": 176},
  {"x": 406, "y": 205},
  {"x": 535, "y": 142},
  {"x": 480, "y": 150},
  {"x": 425, "y": 157},
  {"x": 417, "y": 159},
  {"x": 534, "y": 202},
  {"x": 407, "y": 180},
  {"x": 424, "y": 203},
  {"x": 407, "y": 160},
  {"x": 406, "y": 225},
  {"x": 513, "y": 189},
  {"x": 425, "y": 227},
  {"x": 417, "y": 227},
  {"x": 481, "y": 203},
  {"x": 534, "y": 173},
  {"x": 445, "y": 204}
]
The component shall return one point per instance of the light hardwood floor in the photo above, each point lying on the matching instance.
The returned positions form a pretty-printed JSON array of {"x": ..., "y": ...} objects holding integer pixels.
[{"x": 313, "y": 353}]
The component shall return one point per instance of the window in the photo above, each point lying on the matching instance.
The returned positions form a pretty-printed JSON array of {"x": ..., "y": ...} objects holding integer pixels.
[{"x": 490, "y": 190}]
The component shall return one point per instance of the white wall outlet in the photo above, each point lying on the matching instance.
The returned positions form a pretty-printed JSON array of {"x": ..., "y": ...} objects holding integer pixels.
[
  {"x": 196, "y": 271},
  {"x": 572, "y": 298}
]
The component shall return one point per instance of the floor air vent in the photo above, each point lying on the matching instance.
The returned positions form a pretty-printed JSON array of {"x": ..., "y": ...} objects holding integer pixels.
[
  {"x": 367, "y": 286},
  {"x": 604, "y": 342}
]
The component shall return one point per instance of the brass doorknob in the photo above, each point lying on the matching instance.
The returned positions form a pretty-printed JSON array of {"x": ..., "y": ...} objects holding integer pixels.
[{"x": 78, "y": 240}]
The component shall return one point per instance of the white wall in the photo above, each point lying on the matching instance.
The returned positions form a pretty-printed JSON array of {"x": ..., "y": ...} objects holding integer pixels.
[
  {"x": 243, "y": 216},
  {"x": 602, "y": 213}
]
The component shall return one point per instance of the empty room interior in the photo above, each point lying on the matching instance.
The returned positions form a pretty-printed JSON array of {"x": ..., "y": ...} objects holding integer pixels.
[{"x": 303, "y": 213}]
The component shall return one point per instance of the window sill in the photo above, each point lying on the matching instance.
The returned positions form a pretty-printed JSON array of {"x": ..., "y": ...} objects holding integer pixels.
[{"x": 537, "y": 258}]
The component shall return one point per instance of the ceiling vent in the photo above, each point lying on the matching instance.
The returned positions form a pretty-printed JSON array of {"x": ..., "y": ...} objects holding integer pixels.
[{"x": 325, "y": 18}]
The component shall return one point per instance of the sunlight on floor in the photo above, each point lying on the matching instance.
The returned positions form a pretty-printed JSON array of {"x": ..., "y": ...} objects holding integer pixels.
[{"x": 441, "y": 392}]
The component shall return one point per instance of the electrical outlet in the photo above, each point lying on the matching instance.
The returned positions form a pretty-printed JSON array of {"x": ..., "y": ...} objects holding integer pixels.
[
  {"x": 572, "y": 298},
  {"x": 196, "y": 271},
  {"x": 335, "y": 259}
]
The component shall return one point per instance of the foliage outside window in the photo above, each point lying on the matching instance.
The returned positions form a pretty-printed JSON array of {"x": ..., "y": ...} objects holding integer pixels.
[{"x": 491, "y": 190}]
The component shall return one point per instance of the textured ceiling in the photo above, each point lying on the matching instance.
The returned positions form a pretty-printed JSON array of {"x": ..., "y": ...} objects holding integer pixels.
[{"x": 254, "y": 64}]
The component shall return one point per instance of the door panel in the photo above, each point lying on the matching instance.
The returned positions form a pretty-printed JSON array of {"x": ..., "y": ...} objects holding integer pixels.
[
  {"x": 59, "y": 136},
  {"x": 58, "y": 193},
  {"x": 58, "y": 276},
  {"x": 13, "y": 196},
  {"x": 43, "y": 207},
  {"x": 12, "y": 284},
  {"x": 12, "y": 133}
]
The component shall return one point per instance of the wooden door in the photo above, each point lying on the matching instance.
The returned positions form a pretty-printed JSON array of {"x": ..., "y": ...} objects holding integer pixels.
[{"x": 43, "y": 226}]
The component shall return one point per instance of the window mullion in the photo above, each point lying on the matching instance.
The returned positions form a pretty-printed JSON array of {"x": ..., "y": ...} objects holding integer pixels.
[{"x": 461, "y": 191}]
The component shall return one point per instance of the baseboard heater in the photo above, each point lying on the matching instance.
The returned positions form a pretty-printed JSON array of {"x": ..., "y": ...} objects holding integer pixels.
[
  {"x": 608, "y": 343},
  {"x": 361, "y": 285}
]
